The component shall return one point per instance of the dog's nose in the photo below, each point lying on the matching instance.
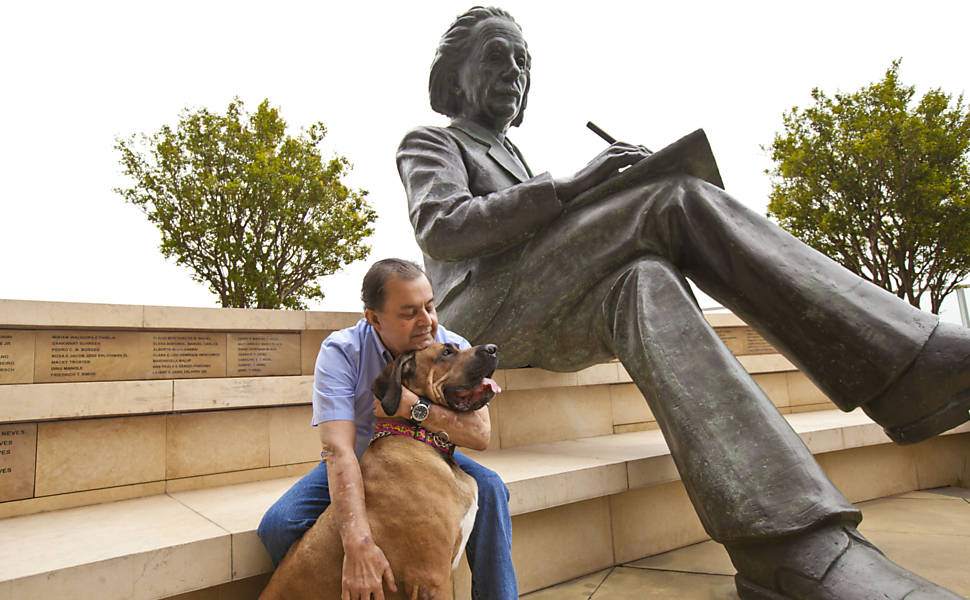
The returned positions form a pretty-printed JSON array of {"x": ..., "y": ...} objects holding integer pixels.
[{"x": 490, "y": 348}]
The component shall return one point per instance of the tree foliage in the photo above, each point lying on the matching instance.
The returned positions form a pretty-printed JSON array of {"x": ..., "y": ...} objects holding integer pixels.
[
  {"x": 880, "y": 184},
  {"x": 254, "y": 213}
]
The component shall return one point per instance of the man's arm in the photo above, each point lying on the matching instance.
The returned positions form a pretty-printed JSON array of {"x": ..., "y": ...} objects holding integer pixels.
[
  {"x": 365, "y": 566},
  {"x": 468, "y": 430}
]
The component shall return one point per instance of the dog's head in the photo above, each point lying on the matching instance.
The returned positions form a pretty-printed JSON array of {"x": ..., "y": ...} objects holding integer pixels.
[{"x": 453, "y": 378}]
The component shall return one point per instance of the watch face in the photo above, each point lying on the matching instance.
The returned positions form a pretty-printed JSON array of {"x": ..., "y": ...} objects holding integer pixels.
[{"x": 419, "y": 412}]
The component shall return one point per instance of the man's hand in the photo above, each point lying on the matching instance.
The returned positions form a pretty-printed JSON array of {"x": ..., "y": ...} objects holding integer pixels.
[
  {"x": 365, "y": 570},
  {"x": 605, "y": 165},
  {"x": 408, "y": 400}
]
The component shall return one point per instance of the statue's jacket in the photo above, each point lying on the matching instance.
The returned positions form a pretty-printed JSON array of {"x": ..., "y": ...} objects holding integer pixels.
[{"x": 474, "y": 205}]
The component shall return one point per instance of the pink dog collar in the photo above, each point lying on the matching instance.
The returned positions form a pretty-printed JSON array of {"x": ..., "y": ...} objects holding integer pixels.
[{"x": 435, "y": 440}]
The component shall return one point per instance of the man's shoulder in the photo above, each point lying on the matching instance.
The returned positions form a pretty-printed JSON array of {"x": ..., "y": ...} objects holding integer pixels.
[
  {"x": 450, "y": 337},
  {"x": 349, "y": 339}
]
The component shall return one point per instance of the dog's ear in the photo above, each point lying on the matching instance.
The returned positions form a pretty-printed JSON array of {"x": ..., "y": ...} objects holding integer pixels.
[{"x": 387, "y": 386}]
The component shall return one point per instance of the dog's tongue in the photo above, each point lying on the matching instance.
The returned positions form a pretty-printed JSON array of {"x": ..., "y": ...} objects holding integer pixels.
[{"x": 488, "y": 383}]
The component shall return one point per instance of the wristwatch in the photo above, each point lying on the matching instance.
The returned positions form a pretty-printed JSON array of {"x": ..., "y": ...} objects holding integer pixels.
[{"x": 420, "y": 411}]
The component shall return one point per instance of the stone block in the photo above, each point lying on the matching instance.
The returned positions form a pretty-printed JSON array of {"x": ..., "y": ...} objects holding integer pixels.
[
  {"x": 652, "y": 471},
  {"x": 604, "y": 373},
  {"x": 101, "y": 355},
  {"x": 634, "y": 427},
  {"x": 227, "y": 319},
  {"x": 41, "y": 401},
  {"x": 534, "y": 416},
  {"x": 331, "y": 320},
  {"x": 823, "y": 440},
  {"x": 871, "y": 472},
  {"x": 239, "y": 513},
  {"x": 16, "y": 356},
  {"x": 18, "y": 450},
  {"x": 31, "y": 506},
  {"x": 803, "y": 392},
  {"x": 527, "y": 379},
  {"x": 310, "y": 342},
  {"x": 652, "y": 520},
  {"x": 943, "y": 461},
  {"x": 261, "y": 354},
  {"x": 89, "y": 355},
  {"x": 201, "y": 482},
  {"x": 137, "y": 549},
  {"x": 217, "y": 442},
  {"x": 177, "y": 355},
  {"x": 98, "y": 453},
  {"x": 744, "y": 341},
  {"x": 629, "y": 405},
  {"x": 806, "y": 408},
  {"x": 291, "y": 437},
  {"x": 765, "y": 363},
  {"x": 775, "y": 386},
  {"x": 35, "y": 314},
  {"x": 578, "y": 535},
  {"x": 207, "y": 394},
  {"x": 724, "y": 319}
]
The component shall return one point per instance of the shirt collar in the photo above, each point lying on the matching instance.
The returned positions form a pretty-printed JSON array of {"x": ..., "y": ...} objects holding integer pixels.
[{"x": 383, "y": 352}]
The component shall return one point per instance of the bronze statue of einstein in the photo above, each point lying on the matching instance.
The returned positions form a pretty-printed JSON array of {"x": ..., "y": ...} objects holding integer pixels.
[{"x": 562, "y": 288}]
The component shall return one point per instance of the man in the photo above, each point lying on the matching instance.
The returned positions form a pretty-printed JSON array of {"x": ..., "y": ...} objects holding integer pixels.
[
  {"x": 563, "y": 287},
  {"x": 399, "y": 316}
]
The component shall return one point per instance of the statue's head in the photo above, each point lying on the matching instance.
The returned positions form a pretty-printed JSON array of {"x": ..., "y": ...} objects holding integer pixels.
[{"x": 481, "y": 69}]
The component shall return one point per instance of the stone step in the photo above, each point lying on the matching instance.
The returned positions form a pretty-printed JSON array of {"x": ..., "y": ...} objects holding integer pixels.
[
  {"x": 184, "y": 434},
  {"x": 584, "y": 497}
]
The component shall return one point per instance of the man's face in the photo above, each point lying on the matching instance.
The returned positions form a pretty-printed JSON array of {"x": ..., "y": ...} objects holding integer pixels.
[
  {"x": 494, "y": 76},
  {"x": 408, "y": 320}
]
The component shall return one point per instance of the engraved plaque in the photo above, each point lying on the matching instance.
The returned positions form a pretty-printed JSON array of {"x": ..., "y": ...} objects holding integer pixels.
[
  {"x": 757, "y": 344},
  {"x": 259, "y": 354},
  {"x": 16, "y": 356},
  {"x": 90, "y": 356},
  {"x": 18, "y": 450},
  {"x": 733, "y": 338},
  {"x": 744, "y": 341},
  {"x": 178, "y": 355}
]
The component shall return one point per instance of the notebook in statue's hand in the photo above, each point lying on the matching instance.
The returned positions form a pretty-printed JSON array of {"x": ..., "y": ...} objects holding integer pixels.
[{"x": 690, "y": 155}]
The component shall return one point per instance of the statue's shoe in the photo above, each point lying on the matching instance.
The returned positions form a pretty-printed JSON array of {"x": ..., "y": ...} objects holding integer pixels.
[
  {"x": 933, "y": 395},
  {"x": 833, "y": 563}
]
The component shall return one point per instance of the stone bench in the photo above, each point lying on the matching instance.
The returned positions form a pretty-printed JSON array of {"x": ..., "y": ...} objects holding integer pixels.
[{"x": 586, "y": 497}]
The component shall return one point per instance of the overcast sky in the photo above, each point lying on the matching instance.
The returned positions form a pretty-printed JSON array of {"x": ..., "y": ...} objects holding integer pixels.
[{"x": 77, "y": 74}]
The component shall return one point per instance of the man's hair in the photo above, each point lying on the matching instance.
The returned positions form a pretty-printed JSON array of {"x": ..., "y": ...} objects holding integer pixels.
[
  {"x": 452, "y": 50},
  {"x": 373, "y": 291}
]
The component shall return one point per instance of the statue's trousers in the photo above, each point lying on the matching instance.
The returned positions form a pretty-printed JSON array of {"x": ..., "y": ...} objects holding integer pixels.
[{"x": 608, "y": 280}]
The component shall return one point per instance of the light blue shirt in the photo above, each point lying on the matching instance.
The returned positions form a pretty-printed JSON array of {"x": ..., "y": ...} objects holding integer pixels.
[{"x": 348, "y": 362}]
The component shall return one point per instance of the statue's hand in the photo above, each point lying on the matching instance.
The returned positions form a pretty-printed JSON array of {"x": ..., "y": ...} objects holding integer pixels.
[{"x": 606, "y": 164}]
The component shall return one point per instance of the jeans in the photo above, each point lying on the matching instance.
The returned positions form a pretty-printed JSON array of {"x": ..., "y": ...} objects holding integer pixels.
[{"x": 489, "y": 547}]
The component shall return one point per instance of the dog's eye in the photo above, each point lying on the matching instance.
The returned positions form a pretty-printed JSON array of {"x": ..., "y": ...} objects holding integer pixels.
[{"x": 447, "y": 351}]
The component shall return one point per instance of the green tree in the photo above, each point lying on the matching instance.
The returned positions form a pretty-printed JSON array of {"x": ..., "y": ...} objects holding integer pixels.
[
  {"x": 254, "y": 213},
  {"x": 880, "y": 184}
]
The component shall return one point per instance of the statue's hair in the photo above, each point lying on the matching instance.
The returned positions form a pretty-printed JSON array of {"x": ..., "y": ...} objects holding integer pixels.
[{"x": 452, "y": 50}]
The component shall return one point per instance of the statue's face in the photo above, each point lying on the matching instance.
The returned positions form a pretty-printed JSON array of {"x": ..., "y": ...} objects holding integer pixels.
[{"x": 494, "y": 76}]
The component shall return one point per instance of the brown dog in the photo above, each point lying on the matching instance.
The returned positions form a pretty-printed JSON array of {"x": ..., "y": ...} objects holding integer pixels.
[{"x": 421, "y": 506}]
